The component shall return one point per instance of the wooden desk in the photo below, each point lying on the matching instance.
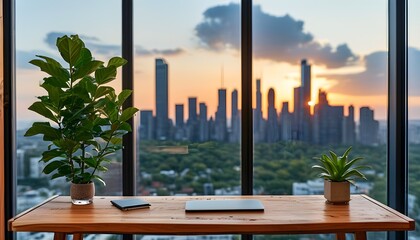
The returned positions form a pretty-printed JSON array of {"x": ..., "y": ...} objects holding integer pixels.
[{"x": 282, "y": 215}]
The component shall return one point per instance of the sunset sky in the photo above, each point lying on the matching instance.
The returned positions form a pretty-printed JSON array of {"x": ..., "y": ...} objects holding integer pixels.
[{"x": 345, "y": 41}]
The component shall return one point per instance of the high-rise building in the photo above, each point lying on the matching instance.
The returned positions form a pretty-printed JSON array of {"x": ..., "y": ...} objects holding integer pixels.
[
  {"x": 203, "y": 123},
  {"x": 258, "y": 117},
  {"x": 328, "y": 121},
  {"x": 285, "y": 123},
  {"x": 179, "y": 115},
  {"x": 179, "y": 122},
  {"x": 305, "y": 97},
  {"x": 162, "y": 99},
  {"x": 192, "y": 128},
  {"x": 272, "y": 128},
  {"x": 220, "y": 123},
  {"x": 146, "y": 125},
  {"x": 349, "y": 134},
  {"x": 368, "y": 128},
  {"x": 235, "y": 119},
  {"x": 20, "y": 163}
]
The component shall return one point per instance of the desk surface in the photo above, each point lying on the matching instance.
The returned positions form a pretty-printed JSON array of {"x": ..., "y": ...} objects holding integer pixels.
[{"x": 283, "y": 214}]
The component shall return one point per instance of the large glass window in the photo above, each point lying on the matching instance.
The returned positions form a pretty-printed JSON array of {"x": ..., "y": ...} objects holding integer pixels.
[
  {"x": 414, "y": 116},
  {"x": 187, "y": 87},
  {"x": 318, "y": 86},
  {"x": 38, "y": 24}
]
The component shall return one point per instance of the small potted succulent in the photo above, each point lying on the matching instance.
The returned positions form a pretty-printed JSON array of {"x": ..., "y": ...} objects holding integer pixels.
[
  {"x": 338, "y": 172},
  {"x": 85, "y": 116}
]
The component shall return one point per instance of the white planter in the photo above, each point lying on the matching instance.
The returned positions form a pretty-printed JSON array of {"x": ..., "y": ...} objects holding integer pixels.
[{"x": 337, "y": 192}]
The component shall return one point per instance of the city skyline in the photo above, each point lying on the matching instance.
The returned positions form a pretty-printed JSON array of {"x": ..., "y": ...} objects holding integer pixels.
[{"x": 324, "y": 124}]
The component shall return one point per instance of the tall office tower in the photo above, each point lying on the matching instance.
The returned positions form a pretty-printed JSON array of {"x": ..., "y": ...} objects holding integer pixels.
[
  {"x": 220, "y": 124},
  {"x": 296, "y": 113},
  {"x": 179, "y": 115},
  {"x": 368, "y": 128},
  {"x": 285, "y": 123},
  {"x": 328, "y": 121},
  {"x": 192, "y": 110},
  {"x": 272, "y": 128},
  {"x": 349, "y": 134},
  {"x": 179, "y": 122},
  {"x": 305, "y": 129},
  {"x": 258, "y": 118},
  {"x": 146, "y": 125},
  {"x": 203, "y": 123},
  {"x": 162, "y": 96},
  {"x": 235, "y": 119},
  {"x": 192, "y": 128}
]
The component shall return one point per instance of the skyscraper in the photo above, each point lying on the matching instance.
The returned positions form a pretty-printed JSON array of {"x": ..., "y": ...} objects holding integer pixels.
[
  {"x": 285, "y": 123},
  {"x": 179, "y": 122},
  {"x": 272, "y": 128},
  {"x": 258, "y": 118},
  {"x": 162, "y": 96},
  {"x": 221, "y": 128},
  {"x": 203, "y": 123},
  {"x": 235, "y": 119},
  {"x": 192, "y": 131},
  {"x": 368, "y": 128},
  {"x": 349, "y": 134},
  {"x": 328, "y": 121},
  {"x": 146, "y": 125},
  {"x": 305, "y": 97}
]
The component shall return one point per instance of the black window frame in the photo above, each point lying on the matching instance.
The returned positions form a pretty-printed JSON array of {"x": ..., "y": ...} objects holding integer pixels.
[{"x": 397, "y": 157}]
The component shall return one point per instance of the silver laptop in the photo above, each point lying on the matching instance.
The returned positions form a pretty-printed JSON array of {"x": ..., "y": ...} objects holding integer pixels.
[{"x": 224, "y": 205}]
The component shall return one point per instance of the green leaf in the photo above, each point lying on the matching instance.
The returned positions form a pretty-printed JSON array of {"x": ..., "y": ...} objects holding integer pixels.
[
  {"x": 52, "y": 166},
  {"x": 127, "y": 114},
  {"x": 91, "y": 162},
  {"x": 50, "y": 133},
  {"x": 99, "y": 179},
  {"x": 125, "y": 127},
  {"x": 42, "y": 110},
  {"x": 124, "y": 94},
  {"x": 87, "y": 69},
  {"x": 85, "y": 57},
  {"x": 69, "y": 48},
  {"x": 51, "y": 154},
  {"x": 53, "y": 81},
  {"x": 60, "y": 73},
  {"x": 105, "y": 75},
  {"x": 54, "y": 93},
  {"x": 116, "y": 62},
  {"x": 103, "y": 90}
]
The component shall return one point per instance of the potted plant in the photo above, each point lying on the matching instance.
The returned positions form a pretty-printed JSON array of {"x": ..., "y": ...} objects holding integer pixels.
[
  {"x": 338, "y": 172},
  {"x": 85, "y": 118}
]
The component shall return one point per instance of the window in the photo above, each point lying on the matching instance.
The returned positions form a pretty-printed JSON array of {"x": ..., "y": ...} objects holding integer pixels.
[
  {"x": 170, "y": 47},
  {"x": 36, "y": 34},
  {"x": 318, "y": 87}
]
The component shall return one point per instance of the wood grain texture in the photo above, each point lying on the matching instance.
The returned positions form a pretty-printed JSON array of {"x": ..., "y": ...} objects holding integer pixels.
[
  {"x": 283, "y": 214},
  {"x": 2, "y": 220}
]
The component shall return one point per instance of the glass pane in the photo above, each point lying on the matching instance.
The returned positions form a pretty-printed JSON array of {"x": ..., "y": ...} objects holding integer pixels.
[
  {"x": 187, "y": 87},
  {"x": 413, "y": 116},
  {"x": 38, "y": 24},
  {"x": 318, "y": 86}
]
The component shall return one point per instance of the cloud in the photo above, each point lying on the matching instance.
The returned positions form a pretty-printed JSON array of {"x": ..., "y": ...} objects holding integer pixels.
[
  {"x": 96, "y": 46},
  {"x": 277, "y": 38},
  {"x": 374, "y": 79}
]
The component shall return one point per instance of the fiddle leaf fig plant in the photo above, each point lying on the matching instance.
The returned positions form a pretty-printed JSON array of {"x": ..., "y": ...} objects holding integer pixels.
[
  {"x": 85, "y": 117},
  {"x": 339, "y": 168}
]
